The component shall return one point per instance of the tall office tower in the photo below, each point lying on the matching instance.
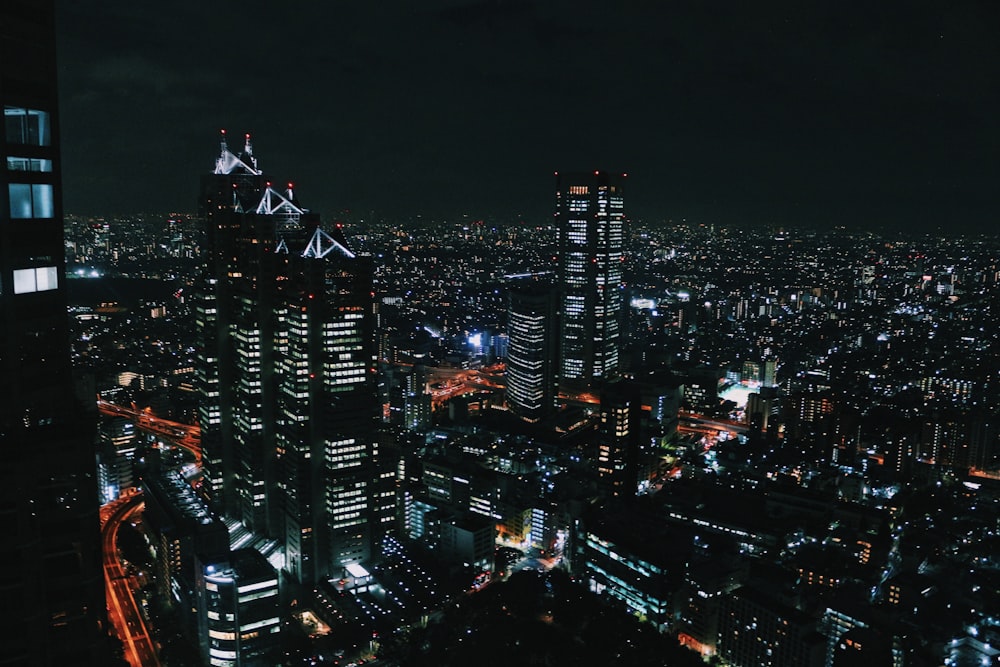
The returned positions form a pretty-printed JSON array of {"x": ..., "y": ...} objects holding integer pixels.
[
  {"x": 226, "y": 195},
  {"x": 531, "y": 349},
  {"x": 329, "y": 410},
  {"x": 250, "y": 228},
  {"x": 590, "y": 220},
  {"x": 286, "y": 373},
  {"x": 51, "y": 582}
]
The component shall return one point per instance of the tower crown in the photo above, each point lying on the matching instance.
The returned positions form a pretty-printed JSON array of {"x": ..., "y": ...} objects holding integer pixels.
[{"x": 229, "y": 163}]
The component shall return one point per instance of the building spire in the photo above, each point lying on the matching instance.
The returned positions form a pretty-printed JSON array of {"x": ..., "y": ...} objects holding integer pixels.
[{"x": 228, "y": 163}]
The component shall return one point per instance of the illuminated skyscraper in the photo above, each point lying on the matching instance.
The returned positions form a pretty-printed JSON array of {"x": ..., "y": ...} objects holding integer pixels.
[
  {"x": 590, "y": 220},
  {"x": 230, "y": 359},
  {"x": 531, "y": 349},
  {"x": 51, "y": 581},
  {"x": 286, "y": 374},
  {"x": 328, "y": 410}
]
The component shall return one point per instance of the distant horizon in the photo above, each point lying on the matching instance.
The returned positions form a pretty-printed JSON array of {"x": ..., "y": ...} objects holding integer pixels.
[
  {"x": 784, "y": 114},
  {"x": 375, "y": 215}
]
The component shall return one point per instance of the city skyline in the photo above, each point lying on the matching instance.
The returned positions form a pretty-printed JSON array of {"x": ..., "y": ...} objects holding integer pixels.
[
  {"x": 866, "y": 442},
  {"x": 531, "y": 431},
  {"x": 781, "y": 115}
]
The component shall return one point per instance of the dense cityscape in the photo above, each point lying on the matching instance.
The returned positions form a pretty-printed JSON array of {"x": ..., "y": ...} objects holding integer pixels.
[
  {"x": 805, "y": 433},
  {"x": 248, "y": 433}
]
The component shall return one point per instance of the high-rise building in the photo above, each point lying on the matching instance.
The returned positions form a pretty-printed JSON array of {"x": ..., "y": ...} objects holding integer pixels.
[
  {"x": 240, "y": 322},
  {"x": 531, "y": 350},
  {"x": 239, "y": 615},
  {"x": 328, "y": 410},
  {"x": 226, "y": 196},
  {"x": 618, "y": 438},
  {"x": 590, "y": 224},
  {"x": 286, "y": 374},
  {"x": 51, "y": 581}
]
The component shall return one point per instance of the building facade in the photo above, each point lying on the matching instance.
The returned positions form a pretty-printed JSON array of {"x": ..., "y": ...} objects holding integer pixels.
[
  {"x": 239, "y": 615},
  {"x": 645, "y": 582},
  {"x": 117, "y": 441},
  {"x": 619, "y": 438},
  {"x": 590, "y": 227},
  {"x": 328, "y": 412},
  {"x": 759, "y": 631},
  {"x": 531, "y": 350}
]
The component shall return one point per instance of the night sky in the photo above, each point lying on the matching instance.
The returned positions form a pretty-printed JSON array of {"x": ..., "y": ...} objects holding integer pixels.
[{"x": 770, "y": 113}]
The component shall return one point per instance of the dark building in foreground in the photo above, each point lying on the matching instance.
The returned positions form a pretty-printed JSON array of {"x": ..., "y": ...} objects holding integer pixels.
[
  {"x": 619, "y": 438},
  {"x": 755, "y": 630},
  {"x": 629, "y": 556},
  {"x": 181, "y": 526},
  {"x": 51, "y": 582}
]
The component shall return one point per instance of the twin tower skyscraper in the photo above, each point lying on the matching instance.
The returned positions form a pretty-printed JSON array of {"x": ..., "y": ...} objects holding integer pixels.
[{"x": 285, "y": 316}]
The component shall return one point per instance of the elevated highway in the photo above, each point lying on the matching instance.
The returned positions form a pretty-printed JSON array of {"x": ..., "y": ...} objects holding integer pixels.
[
  {"x": 125, "y": 615},
  {"x": 187, "y": 436}
]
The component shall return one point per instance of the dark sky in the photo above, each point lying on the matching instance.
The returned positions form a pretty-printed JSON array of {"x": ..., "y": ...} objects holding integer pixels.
[{"x": 726, "y": 112}]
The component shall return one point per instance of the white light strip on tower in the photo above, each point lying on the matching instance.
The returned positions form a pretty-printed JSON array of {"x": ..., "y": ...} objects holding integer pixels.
[
  {"x": 268, "y": 206},
  {"x": 316, "y": 246}
]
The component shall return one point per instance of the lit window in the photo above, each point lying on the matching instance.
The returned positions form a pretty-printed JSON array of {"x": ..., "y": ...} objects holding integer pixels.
[
  {"x": 31, "y": 201},
  {"x": 28, "y": 164},
  {"x": 40, "y": 279}
]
